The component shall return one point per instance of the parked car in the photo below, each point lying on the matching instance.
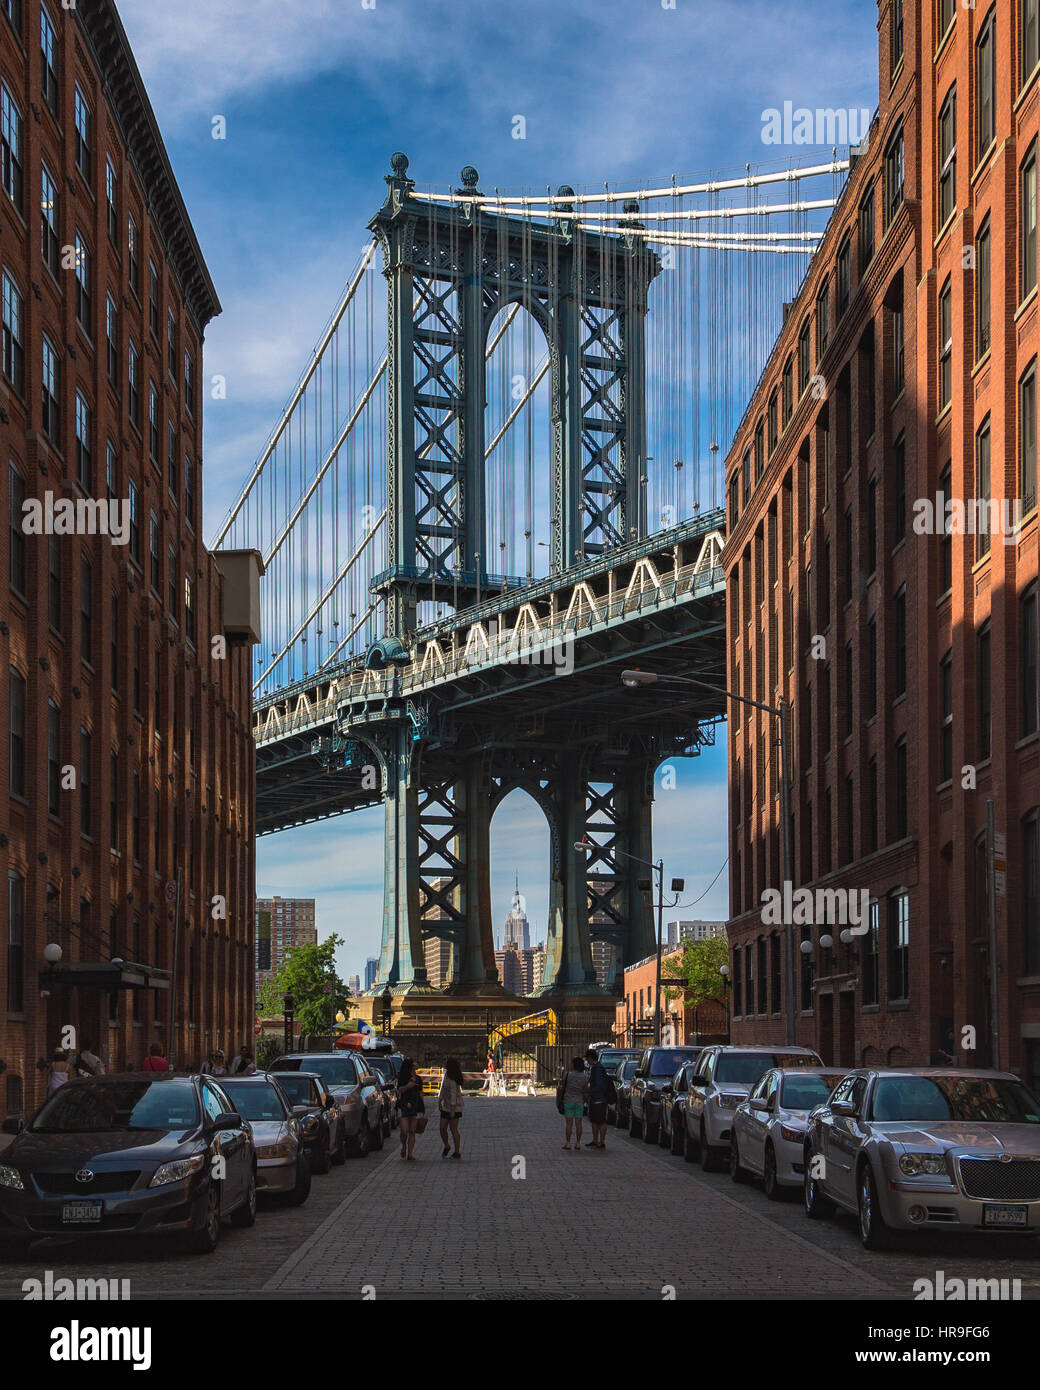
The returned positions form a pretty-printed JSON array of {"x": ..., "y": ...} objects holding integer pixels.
[
  {"x": 671, "y": 1131},
  {"x": 358, "y": 1098},
  {"x": 768, "y": 1136},
  {"x": 282, "y": 1165},
  {"x": 618, "y": 1114},
  {"x": 126, "y": 1155},
  {"x": 321, "y": 1125},
  {"x": 655, "y": 1071},
  {"x": 726, "y": 1076},
  {"x": 611, "y": 1058},
  {"x": 918, "y": 1148},
  {"x": 385, "y": 1065}
]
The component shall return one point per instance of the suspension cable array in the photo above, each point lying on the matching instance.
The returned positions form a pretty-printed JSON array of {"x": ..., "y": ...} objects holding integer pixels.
[{"x": 315, "y": 502}]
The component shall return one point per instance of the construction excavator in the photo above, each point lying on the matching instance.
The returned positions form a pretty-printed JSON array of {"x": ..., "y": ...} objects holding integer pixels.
[{"x": 546, "y": 1019}]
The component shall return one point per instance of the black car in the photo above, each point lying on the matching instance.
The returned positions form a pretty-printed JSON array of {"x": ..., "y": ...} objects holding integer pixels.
[
  {"x": 619, "y": 1113},
  {"x": 655, "y": 1071},
  {"x": 314, "y": 1105},
  {"x": 610, "y": 1058},
  {"x": 671, "y": 1129},
  {"x": 136, "y": 1154},
  {"x": 385, "y": 1065}
]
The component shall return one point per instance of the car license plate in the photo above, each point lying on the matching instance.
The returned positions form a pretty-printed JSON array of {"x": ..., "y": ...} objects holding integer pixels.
[
  {"x": 1005, "y": 1216},
  {"x": 76, "y": 1213}
]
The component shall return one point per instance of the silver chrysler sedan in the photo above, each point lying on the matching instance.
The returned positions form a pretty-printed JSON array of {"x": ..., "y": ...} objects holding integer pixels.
[{"x": 931, "y": 1148}]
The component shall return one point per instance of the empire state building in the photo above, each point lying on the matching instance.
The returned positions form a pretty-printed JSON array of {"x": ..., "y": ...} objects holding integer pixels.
[{"x": 517, "y": 928}]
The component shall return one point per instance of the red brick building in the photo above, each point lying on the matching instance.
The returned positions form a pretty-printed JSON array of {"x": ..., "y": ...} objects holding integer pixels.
[
  {"x": 907, "y": 650},
  {"x": 126, "y": 779},
  {"x": 681, "y": 1023}
]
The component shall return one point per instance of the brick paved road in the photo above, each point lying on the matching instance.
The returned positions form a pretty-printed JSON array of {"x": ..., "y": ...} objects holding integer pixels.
[{"x": 625, "y": 1222}]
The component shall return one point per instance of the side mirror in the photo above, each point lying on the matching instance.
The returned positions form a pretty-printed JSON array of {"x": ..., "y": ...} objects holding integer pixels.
[
  {"x": 14, "y": 1125},
  {"x": 842, "y": 1107},
  {"x": 759, "y": 1103},
  {"x": 300, "y": 1110},
  {"x": 700, "y": 1080},
  {"x": 231, "y": 1120}
]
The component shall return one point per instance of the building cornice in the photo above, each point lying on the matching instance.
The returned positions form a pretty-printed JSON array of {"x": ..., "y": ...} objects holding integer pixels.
[{"x": 103, "y": 32}]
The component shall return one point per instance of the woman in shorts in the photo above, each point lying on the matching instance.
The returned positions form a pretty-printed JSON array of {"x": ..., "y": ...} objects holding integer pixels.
[
  {"x": 449, "y": 1100},
  {"x": 575, "y": 1090}
]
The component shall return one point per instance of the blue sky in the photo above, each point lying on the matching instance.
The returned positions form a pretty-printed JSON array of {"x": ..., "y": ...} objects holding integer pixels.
[{"x": 316, "y": 95}]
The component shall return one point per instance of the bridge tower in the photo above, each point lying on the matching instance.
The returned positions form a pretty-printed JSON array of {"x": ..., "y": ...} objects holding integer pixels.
[{"x": 451, "y": 267}]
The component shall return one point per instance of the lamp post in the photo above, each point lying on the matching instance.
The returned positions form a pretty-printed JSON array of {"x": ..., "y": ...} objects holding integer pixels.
[
  {"x": 724, "y": 971},
  {"x": 387, "y": 1004},
  {"x": 288, "y": 1014},
  {"x": 633, "y": 680},
  {"x": 583, "y": 846}
]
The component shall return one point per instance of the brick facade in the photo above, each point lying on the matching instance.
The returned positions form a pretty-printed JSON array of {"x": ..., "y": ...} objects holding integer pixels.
[
  {"x": 873, "y": 631},
  {"x": 109, "y": 645}
]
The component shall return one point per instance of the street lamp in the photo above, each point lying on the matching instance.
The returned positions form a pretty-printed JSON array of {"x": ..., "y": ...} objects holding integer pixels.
[
  {"x": 387, "y": 1003},
  {"x": 583, "y": 846},
  {"x": 288, "y": 1011},
  {"x": 633, "y": 679}
]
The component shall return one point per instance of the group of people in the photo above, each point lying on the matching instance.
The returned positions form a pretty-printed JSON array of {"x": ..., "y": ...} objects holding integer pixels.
[
  {"x": 586, "y": 1083},
  {"x": 67, "y": 1064},
  {"x": 411, "y": 1108},
  {"x": 242, "y": 1064}
]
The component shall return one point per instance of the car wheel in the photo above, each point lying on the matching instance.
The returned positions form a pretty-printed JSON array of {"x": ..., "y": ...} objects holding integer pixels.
[
  {"x": 203, "y": 1240},
  {"x": 770, "y": 1182},
  {"x": 378, "y": 1136},
  {"x": 678, "y": 1138},
  {"x": 689, "y": 1148},
  {"x": 663, "y": 1140},
  {"x": 816, "y": 1205},
  {"x": 635, "y": 1129},
  {"x": 362, "y": 1139},
  {"x": 649, "y": 1130},
  {"x": 302, "y": 1190},
  {"x": 709, "y": 1159},
  {"x": 737, "y": 1171},
  {"x": 321, "y": 1161},
  {"x": 245, "y": 1215},
  {"x": 339, "y": 1157},
  {"x": 873, "y": 1232}
]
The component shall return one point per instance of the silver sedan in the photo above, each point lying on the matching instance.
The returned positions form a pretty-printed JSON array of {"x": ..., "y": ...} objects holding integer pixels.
[
  {"x": 282, "y": 1166},
  {"x": 926, "y": 1148},
  {"x": 768, "y": 1137}
]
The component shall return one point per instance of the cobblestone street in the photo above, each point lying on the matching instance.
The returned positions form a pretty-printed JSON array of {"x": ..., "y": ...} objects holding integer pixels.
[{"x": 520, "y": 1218}]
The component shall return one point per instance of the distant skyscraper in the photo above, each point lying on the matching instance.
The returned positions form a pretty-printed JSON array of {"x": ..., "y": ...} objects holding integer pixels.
[
  {"x": 437, "y": 950},
  {"x": 371, "y": 966},
  {"x": 282, "y": 923},
  {"x": 692, "y": 931},
  {"x": 354, "y": 985},
  {"x": 517, "y": 928}
]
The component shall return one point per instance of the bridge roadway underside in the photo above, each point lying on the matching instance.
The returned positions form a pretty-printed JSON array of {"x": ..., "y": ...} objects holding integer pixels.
[{"x": 442, "y": 742}]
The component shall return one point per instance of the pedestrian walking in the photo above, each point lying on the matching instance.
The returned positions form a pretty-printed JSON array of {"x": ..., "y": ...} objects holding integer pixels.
[
  {"x": 449, "y": 1101},
  {"x": 60, "y": 1070},
  {"x": 410, "y": 1106},
  {"x": 156, "y": 1059},
  {"x": 244, "y": 1064},
  {"x": 215, "y": 1064},
  {"x": 86, "y": 1061},
  {"x": 573, "y": 1092},
  {"x": 601, "y": 1093}
]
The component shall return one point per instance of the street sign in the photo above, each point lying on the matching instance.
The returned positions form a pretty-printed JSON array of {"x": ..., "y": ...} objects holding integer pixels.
[
  {"x": 171, "y": 891},
  {"x": 1000, "y": 865},
  {"x": 256, "y": 1030}
]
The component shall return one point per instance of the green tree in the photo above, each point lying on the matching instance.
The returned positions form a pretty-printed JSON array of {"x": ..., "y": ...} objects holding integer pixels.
[
  {"x": 698, "y": 971},
  {"x": 304, "y": 974}
]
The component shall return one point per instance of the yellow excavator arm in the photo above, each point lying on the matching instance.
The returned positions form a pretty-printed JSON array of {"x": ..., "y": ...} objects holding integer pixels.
[{"x": 545, "y": 1019}]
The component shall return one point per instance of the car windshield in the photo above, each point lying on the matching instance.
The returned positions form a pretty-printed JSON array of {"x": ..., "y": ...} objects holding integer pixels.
[
  {"x": 334, "y": 1071},
  {"x": 254, "y": 1102},
  {"x": 628, "y": 1068},
  {"x": 298, "y": 1089},
  {"x": 382, "y": 1065},
  {"x": 803, "y": 1092},
  {"x": 668, "y": 1061},
  {"x": 91, "y": 1108},
  {"x": 969, "y": 1098}
]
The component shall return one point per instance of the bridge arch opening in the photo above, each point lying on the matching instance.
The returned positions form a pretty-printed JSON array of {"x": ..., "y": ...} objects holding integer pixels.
[
  {"x": 518, "y": 441},
  {"x": 520, "y": 869}
]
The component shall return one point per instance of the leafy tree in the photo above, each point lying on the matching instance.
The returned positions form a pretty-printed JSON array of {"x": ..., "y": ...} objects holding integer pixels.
[
  {"x": 304, "y": 974},
  {"x": 698, "y": 971}
]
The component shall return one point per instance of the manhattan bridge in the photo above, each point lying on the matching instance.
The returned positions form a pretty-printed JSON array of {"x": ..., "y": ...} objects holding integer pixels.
[{"x": 497, "y": 484}]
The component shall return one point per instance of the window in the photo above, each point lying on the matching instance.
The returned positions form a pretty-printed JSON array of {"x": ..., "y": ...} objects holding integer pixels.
[
  {"x": 945, "y": 536},
  {"x": 982, "y": 489},
  {"x": 871, "y": 525},
  {"x": 112, "y": 340},
  {"x": 171, "y": 458},
  {"x": 823, "y": 320},
  {"x": 137, "y": 683},
  {"x": 947, "y": 11},
  {"x": 894, "y": 176},
  {"x": 53, "y": 759},
  {"x": 848, "y": 565},
  {"x": 734, "y": 500},
  {"x": 135, "y": 521},
  {"x": 84, "y": 447},
  {"x": 849, "y": 689},
  {"x": 902, "y": 806},
  {"x": 866, "y": 229},
  {"x": 872, "y": 807},
  {"x": 1030, "y": 638},
  {"x": 82, "y": 121},
  {"x": 15, "y": 945},
  {"x": 133, "y": 381},
  {"x": 11, "y": 172},
  {"x": 13, "y": 335},
  {"x": 173, "y": 580},
  {"x": 153, "y": 421},
  {"x": 114, "y": 647},
  {"x": 760, "y": 450},
  {"x": 872, "y": 668},
  {"x": 51, "y": 384},
  {"x": 1029, "y": 43},
  {"x": 745, "y": 478},
  {"x": 804, "y": 363},
  {"x": 83, "y": 283},
  {"x": 899, "y": 489},
  {"x": 899, "y": 946},
  {"x": 113, "y": 801},
  {"x": 16, "y": 736},
  {"x": 774, "y": 973},
  {"x": 153, "y": 551},
  {"x": 112, "y": 202},
  {"x": 982, "y": 291},
  {"x": 825, "y": 709},
  {"x": 946, "y": 718},
  {"x": 86, "y": 824},
  {"x": 171, "y": 343},
  {"x": 16, "y": 496},
  {"x": 13, "y": 10},
  {"x": 945, "y": 345},
  {"x": 153, "y": 299},
  {"x": 1031, "y": 889},
  {"x": 773, "y": 432},
  {"x": 133, "y": 255},
  {"x": 189, "y": 610},
  {"x": 825, "y": 583},
  {"x": 111, "y": 472},
  {"x": 1027, "y": 225},
  {"x": 49, "y": 60},
  {"x": 86, "y": 611},
  {"x": 844, "y": 276},
  {"x": 1027, "y": 440},
  {"x": 948, "y": 157},
  {"x": 898, "y": 351},
  {"x": 983, "y": 678},
  {"x": 189, "y": 385},
  {"x": 135, "y": 816},
  {"x": 985, "y": 85},
  {"x": 899, "y": 638},
  {"x": 49, "y": 239},
  {"x": 870, "y": 955}
]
